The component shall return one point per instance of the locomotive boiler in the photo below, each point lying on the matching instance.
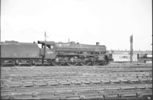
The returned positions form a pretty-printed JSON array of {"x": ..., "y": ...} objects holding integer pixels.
[{"x": 53, "y": 53}]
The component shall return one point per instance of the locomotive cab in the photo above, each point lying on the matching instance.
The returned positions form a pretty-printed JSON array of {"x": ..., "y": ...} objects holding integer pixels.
[{"x": 47, "y": 51}]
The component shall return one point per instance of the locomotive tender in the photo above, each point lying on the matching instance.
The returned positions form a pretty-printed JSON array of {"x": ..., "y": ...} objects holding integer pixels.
[{"x": 52, "y": 53}]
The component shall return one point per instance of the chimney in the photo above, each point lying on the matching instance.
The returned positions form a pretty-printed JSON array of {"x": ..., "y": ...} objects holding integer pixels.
[{"x": 97, "y": 43}]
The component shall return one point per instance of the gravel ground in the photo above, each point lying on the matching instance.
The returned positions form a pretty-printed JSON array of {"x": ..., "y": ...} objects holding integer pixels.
[{"x": 116, "y": 80}]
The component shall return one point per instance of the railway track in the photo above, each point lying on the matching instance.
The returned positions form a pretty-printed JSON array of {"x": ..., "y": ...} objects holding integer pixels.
[
  {"x": 88, "y": 82},
  {"x": 80, "y": 89},
  {"x": 117, "y": 91}
]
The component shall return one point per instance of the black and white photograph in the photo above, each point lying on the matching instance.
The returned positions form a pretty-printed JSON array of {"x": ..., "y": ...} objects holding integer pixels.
[{"x": 76, "y": 49}]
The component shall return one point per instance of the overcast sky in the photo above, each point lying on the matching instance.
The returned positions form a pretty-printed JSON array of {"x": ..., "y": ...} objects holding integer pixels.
[{"x": 110, "y": 22}]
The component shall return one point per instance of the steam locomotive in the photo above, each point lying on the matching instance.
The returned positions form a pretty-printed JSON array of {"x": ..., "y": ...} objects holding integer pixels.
[{"x": 53, "y": 54}]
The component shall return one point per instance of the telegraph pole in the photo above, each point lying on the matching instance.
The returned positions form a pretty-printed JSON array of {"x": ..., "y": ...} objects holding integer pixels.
[
  {"x": 44, "y": 46},
  {"x": 131, "y": 48}
]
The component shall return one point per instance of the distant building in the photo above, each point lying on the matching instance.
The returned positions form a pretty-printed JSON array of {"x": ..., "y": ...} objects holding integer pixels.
[{"x": 124, "y": 56}]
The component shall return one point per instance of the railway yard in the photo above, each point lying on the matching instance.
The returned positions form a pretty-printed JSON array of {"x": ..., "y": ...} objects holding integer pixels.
[{"x": 113, "y": 81}]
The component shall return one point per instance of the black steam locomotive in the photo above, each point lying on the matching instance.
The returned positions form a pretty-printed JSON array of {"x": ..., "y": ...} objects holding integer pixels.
[{"x": 53, "y": 54}]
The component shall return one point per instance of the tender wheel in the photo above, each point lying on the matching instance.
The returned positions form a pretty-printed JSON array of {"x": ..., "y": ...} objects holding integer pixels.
[
  {"x": 89, "y": 63},
  {"x": 99, "y": 63},
  {"x": 83, "y": 63},
  {"x": 86, "y": 63},
  {"x": 72, "y": 63},
  {"x": 96, "y": 63},
  {"x": 54, "y": 63}
]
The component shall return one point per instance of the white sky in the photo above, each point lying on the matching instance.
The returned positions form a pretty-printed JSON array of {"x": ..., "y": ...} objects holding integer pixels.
[{"x": 110, "y": 22}]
